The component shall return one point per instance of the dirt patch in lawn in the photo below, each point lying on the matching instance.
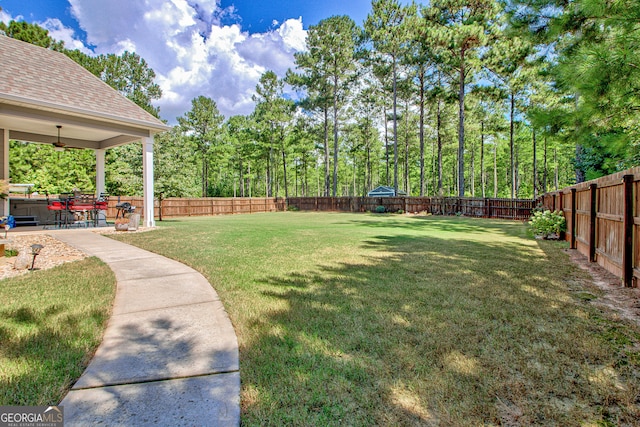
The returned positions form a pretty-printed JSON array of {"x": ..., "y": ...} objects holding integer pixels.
[{"x": 623, "y": 302}]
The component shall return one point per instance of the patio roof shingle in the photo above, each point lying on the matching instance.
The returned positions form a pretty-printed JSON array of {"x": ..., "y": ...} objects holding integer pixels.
[{"x": 49, "y": 80}]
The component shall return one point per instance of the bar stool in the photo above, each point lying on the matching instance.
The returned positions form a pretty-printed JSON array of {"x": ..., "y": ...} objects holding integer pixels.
[
  {"x": 57, "y": 208},
  {"x": 82, "y": 207}
]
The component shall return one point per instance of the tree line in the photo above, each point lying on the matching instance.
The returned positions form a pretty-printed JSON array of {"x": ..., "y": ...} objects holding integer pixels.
[{"x": 480, "y": 98}]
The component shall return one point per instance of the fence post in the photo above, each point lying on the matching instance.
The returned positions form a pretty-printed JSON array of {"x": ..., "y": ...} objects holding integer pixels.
[
  {"x": 573, "y": 218},
  {"x": 593, "y": 219},
  {"x": 561, "y": 201},
  {"x": 627, "y": 256}
]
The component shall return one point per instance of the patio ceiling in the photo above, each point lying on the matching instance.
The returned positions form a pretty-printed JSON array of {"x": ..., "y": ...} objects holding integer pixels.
[{"x": 31, "y": 125}]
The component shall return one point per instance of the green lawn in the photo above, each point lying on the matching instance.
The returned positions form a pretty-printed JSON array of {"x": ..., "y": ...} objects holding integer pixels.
[
  {"x": 51, "y": 322},
  {"x": 349, "y": 319}
]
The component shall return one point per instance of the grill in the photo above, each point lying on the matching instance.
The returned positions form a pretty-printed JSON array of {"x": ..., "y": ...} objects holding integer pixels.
[{"x": 124, "y": 208}]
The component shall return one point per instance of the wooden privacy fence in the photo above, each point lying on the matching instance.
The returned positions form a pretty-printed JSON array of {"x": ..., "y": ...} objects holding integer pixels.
[
  {"x": 603, "y": 221},
  {"x": 519, "y": 209},
  {"x": 476, "y": 207},
  {"x": 180, "y": 207}
]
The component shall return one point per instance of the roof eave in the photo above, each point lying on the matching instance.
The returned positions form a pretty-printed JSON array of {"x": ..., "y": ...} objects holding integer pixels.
[{"x": 154, "y": 127}]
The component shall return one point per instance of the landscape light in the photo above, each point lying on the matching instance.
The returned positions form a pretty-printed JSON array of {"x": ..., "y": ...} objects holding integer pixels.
[{"x": 35, "y": 251}]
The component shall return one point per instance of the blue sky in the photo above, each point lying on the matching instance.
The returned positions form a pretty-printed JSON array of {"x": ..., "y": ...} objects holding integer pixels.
[
  {"x": 215, "y": 48},
  {"x": 254, "y": 16}
]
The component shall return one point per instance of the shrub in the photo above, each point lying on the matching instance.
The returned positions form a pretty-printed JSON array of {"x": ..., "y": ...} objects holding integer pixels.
[
  {"x": 545, "y": 223},
  {"x": 10, "y": 252},
  {"x": 380, "y": 209},
  {"x": 400, "y": 211},
  {"x": 292, "y": 208}
]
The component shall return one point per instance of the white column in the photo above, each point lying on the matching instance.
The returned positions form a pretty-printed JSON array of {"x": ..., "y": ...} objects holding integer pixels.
[
  {"x": 147, "y": 171},
  {"x": 4, "y": 166},
  {"x": 100, "y": 186}
]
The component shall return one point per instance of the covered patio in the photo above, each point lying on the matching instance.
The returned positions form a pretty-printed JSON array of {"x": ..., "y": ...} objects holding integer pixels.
[{"x": 47, "y": 98}]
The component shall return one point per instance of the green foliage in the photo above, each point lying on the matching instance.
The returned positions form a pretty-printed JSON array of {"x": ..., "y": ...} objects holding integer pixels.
[
  {"x": 202, "y": 125},
  {"x": 31, "y": 33},
  {"x": 380, "y": 209},
  {"x": 172, "y": 151},
  {"x": 10, "y": 253},
  {"x": 52, "y": 171},
  {"x": 544, "y": 223},
  {"x": 130, "y": 75},
  {"x": 273, "y": 117},
  {"x": 595, "y": 72},
  {"x": 124, "y": 170},
  {"x": 329, "y": 64}
]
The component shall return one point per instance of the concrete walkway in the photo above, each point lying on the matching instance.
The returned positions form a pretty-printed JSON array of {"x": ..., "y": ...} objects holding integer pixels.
[{"x": 169, "y": 355}]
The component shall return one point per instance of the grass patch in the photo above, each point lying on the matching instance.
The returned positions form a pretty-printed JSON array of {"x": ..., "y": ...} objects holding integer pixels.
[
  {"x": 51, "y": 322},
  {"x": 346, "y": 319}
]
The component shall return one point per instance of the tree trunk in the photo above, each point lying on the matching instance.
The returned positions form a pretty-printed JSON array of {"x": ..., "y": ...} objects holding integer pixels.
[
  {"x": 241, "y": 179},
  {"x": 483, "y": 175},
  {"x": 555, "y": 161},
  {"x": 386, "y": 141},
  {"x": 270, "y": 167},
  {"x": 439, "y": 138},
  {"x": 516, "y": 146},
  {"x": 461, "y": 127},
  {"x": 335, "y": 136},
  {"x": 369, "y": 171},
  {"x": 421, "y": 131},
  {"x": 433, "y": 165},
  {"x": 495, "y": 170},
  {"x": 284, "y": 170},
  {"x": 535, "y": 171},
  {"x": 511, "y": 146},
  {"x": 406, "y": 148},
  {"x": 544, "y": 173},
  {"x": 395, "y": 130},
  {"x": 579, "y": 172},
  {"x": 202, "y": 180},
  {"x": 472, "y": 170},
  {"x": 327, "y": 179}
]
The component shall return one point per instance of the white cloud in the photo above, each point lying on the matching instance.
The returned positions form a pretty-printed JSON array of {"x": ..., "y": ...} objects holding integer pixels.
[
  {"x": 293, "y": 35},
  {"x": 58, "y": 31},
  {"x": 5, "y": 17},
  {"x": 190, "y": 51}
]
